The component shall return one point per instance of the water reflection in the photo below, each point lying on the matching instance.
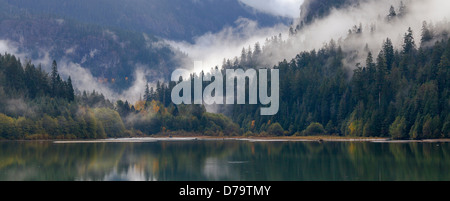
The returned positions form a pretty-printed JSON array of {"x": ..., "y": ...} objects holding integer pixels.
[
  {"x": 224, "y": 160},
  {"x": 216, "y": 169}
]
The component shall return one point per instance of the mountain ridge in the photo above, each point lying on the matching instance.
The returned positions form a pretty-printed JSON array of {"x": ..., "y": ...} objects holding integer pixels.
[{"x": 171, "y": 19}]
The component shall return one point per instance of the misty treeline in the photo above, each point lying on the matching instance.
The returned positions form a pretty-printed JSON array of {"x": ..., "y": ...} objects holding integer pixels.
[
  {"x": 35, "y": 104},
  {"x": 155, "y": 113},
  {"x": 396, "y": 93},
  {"x": 399, "y": 92},
  {"x": 110, "y": 54}
]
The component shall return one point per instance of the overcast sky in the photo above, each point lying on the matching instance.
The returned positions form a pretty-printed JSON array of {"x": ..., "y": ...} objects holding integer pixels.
[{"x": 285, "y": 8}]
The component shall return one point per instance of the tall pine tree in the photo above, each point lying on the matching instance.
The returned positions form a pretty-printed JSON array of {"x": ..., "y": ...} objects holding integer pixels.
[{"x": 54, "y": 79}]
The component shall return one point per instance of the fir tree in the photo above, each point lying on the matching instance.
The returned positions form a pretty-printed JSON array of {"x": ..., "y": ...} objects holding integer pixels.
[
  {"x": 427, "y": 33},
  {"x": 147, "y": 96},
  {"x": 388, "y": 50},
  {"x": 408, "y": 44},
  {"x": 392, "y": 14},
  {"x": 54, "y": 78},
  {"x": 70, "y": 90}
]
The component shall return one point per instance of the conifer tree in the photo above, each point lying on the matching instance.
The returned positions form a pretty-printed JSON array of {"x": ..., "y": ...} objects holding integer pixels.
[
  {"x": 388, "y": 50},
  {"x": 147, "y": 96},
  {"x": 70, "y": 90},
  {"x": 392, "y": 14},
  {"x": 408, "y": 44}
]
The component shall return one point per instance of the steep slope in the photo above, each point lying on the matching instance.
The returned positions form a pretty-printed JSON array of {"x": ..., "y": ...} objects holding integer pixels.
[
  {"x": 111, "y": 55},
  {"x": 114, "y": 38},
  {"x": 172, "y": 19},
  {"x": 312, "y": 9}
]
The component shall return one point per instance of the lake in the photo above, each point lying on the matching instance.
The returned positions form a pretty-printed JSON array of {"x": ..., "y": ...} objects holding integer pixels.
[{"x": 219, "y": 160}]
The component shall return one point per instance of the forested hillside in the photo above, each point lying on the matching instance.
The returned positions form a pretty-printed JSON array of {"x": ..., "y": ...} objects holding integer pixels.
[
  {"x": 35, "y": 104},
  {"x": 346, "y": 88},
  {"x": 399, "y": 94},
  {"x": 109, "y": 54},
  {"x": 113, "y": 39}
]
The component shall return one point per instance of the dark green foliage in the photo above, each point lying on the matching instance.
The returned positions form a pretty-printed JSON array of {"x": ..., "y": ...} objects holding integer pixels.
[
  {"x": 275, "y": 129},
  {"x": 408, "y": 45},
  {"x": 314, "y": 129},
  {"x": 36, "y": 105},
  {"x": 399, "y": 94},
  {"x": 94, "y": 100},
  {"x": 398, "y": 129},
  {"x": 31, "y": 81}
]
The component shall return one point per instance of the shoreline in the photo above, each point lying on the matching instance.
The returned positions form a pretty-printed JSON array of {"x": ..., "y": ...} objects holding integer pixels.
[{"x": 318, "y": 139}]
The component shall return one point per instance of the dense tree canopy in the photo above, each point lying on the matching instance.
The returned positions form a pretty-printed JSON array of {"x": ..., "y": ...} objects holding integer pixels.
[
  {"x": 399, "y": 92},
  {"x": 37, "y": 105}
]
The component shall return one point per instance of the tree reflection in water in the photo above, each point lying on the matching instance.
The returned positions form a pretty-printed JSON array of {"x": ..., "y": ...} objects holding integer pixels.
[{"x": 224, "y": 160}]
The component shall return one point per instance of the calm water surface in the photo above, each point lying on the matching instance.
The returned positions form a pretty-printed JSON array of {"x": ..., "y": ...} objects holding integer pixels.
[{"x": 224, "y": 161}]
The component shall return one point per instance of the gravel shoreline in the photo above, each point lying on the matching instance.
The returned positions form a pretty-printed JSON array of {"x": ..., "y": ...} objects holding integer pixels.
[{"x": 250, "y": 139}]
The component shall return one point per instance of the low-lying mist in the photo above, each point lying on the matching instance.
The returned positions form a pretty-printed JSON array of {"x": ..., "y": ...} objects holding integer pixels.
[
  {"x": 369, "y": 19},
  {"x": 82, "y": 78}
]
